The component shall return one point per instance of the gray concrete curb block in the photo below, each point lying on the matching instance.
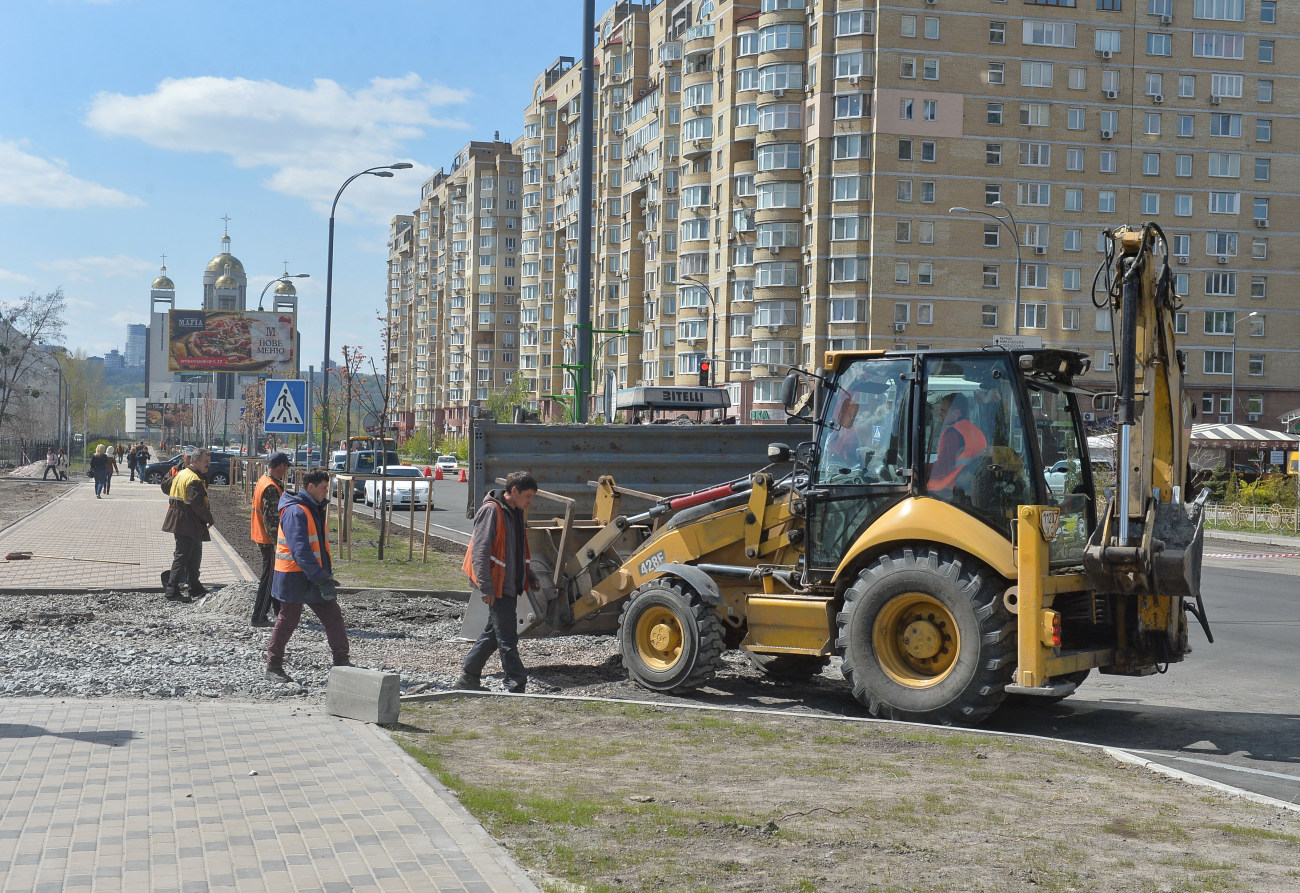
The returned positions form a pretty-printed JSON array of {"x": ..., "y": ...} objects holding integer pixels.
[
  {"x": 1121, "y": 756},
  {"x": 394, "y": 753}
]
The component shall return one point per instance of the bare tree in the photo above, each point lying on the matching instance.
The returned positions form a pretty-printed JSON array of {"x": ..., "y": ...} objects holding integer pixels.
[{"x": 26, "y": 327}]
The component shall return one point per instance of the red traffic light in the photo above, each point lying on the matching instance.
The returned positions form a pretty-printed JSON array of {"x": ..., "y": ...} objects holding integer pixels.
[{"x": 704, "y": 373}]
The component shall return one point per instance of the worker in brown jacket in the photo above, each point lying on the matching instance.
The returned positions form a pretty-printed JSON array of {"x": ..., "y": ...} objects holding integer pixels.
[
  {"x": 189, "y": 515},
  {"x": 265, "y": 524}
]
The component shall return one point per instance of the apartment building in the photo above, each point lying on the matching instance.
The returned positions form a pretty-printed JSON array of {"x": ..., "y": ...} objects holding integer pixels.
[
  {"x": 453, "y": 289},
  {"x": 775, "y": 178}
]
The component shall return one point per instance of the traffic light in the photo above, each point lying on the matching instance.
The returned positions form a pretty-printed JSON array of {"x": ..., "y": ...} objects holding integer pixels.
[{"x": 704, "y": 373}]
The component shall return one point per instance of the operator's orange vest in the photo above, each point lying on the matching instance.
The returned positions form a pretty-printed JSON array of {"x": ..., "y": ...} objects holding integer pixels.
[
  {"x": 974, "y": 443},
  {"x": 259, "y": 532},
  {"x": 498, "y": 554},
  {"x": 284, "y": 557}
]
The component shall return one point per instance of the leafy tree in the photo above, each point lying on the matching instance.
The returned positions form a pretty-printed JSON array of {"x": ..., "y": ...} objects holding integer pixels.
[{"x": 501, "y": 404}]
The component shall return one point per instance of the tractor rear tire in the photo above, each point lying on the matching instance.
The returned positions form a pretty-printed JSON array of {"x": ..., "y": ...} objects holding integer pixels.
[
  {"x": 925, "y": 637},
  {"x": 788, "y": 667},
  {"x": 669, "y": 638}
]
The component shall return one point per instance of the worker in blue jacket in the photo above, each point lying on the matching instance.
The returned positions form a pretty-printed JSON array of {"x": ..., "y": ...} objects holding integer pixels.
[{"x": 302, "y": 574}]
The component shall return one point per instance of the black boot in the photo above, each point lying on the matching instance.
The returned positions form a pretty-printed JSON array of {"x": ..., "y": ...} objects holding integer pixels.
[
  {"x": 466, "y": 682},
  {"x": 276, "y": 673}
]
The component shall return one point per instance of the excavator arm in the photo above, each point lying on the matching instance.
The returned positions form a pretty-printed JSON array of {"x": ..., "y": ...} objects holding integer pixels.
[{"x": 1146, "y": 550}]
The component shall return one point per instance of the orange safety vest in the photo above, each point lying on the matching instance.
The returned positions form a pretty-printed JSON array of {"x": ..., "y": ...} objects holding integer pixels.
[
  {"x": 284, "y": 562},
  {"x": 498, "y": 554},
  {"x": 259, "y": 532},
  {"x": 973, "y": 443}
]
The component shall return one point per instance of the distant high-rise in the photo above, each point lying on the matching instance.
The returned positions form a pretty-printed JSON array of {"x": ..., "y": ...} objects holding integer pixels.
[{"x": 137, "y": 342}]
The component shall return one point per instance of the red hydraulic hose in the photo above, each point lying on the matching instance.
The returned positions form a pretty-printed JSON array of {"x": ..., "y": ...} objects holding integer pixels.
[{"x": 703, "y": 496}]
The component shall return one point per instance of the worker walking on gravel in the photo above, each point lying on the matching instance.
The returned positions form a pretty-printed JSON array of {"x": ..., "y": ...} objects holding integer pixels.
[
  {"x": 189, "y": 515},
  {"x": 302, "y": 574},
  {"x": 265, "y": 523},
  {"x": 497, "y": 561}
]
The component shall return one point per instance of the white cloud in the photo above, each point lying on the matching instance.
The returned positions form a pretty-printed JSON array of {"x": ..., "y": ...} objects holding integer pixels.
[
  {"x": 311, "y": 139},
  {"x": 30, "y": 181},
  {"x": 8, "y": 278},
  {"x": 92, "y": 269}
]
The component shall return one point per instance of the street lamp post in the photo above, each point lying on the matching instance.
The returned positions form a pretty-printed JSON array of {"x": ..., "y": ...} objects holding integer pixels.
[
  {"x": 1232, "y": 398},
  {"x": 285, "y": 278},
  {"x": 1009, "y": 222},
  {"x": 385, "y": 170}
]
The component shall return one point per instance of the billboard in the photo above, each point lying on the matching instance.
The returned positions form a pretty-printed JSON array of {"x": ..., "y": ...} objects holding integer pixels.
[
  {"x": 156, "y": 415},
  {"x": 229, "y": 341}
]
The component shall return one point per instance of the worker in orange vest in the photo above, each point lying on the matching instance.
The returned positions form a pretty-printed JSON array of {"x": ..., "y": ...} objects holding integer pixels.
[
  {"x": 265, "y": 525},
  {"x": 959, "y": 443},
  {"x": 303, "y": 574},
  {"x": 497, "y": 562}
]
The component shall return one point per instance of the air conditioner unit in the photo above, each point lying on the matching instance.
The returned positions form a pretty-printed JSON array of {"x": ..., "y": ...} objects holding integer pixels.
[
  {"x": 695, "y": 107},
  {"x": 731, "y": 237},
  {"x": 1158, "y": 98},
  {"x": 1252, "y": 416},
  {"x": 695, "y": 144},
  {"x": 1112, "y": 94},
  {"x": 1182, "y": 259},
  {"x": 671, "y": 190},
  {"x": 807, "y": 88},
  {"x": 1223, "y": 258},
  {"x": 807, "y": 249},
  {"x": 931, "y": 2},
  {"x": 716, "y": 205},
  {"x": 747, "y": 291},
  {"x": 1105, "y": 54},
  {"x": 1040, "y": 249},
  {"x": 1090, "y": 417},
  {"x": 1261, "y": 222},
  {"x": 1166, "y": 20},
  {"x": 807, "y": 169},
  {"x": 1107, "y": 134},
  {"x": 778, "y": 92},
  {"x": 1215, "y": 99},
  {"x": 774, "y": 249},
  {"x": 806, "y": 209},
  {"x": 853, "y": 79},
  {"x": 803, "y": 289},
  {"x": 900, "y": 326},
  {"x": 773, "y": 329}
]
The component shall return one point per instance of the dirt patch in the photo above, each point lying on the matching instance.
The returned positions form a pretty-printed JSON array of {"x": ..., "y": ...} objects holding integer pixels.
[
  {"x": 18, "y": 499},
  {"x": 625, "y": 797}
]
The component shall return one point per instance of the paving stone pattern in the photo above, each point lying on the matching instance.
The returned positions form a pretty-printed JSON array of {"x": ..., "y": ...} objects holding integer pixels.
[
  {"x": 123, "y": 526},
  {"x": 146, "y": 796}
]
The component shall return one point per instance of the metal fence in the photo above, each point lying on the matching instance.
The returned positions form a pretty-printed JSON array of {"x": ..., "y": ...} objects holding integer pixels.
[
  {"x": 19, "y": 451},
  {"x": 1264, "y": 518}
]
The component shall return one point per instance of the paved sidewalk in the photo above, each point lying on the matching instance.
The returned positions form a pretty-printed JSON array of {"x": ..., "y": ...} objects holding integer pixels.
[
  {"x": 137, "y": 796},
  {"x": 123, "y": 526}
]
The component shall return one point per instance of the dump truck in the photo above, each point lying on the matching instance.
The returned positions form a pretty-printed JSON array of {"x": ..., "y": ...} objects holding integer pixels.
[{"x": 913, "y": 533}]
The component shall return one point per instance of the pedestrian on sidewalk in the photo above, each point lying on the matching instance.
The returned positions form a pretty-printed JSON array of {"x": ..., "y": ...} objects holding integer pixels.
[
  {"x": 99, "y": 465},
  {"x": 112, "y": 468},
  {"x": 265, "y": 525},
  {"x": 51, "y": 464},
  {"x": 142, "y": 459},
  {"x": 498, "y": 563},
  {"x": 62, "y": 465},
  {"x": 189, "y": 516},
  {"x": 131, "y": 459},
  {"x": 303, "y": 574}
]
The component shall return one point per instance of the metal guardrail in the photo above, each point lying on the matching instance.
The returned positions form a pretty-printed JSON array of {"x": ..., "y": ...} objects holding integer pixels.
[
  {"x": 1272, "y": 518},
  {"x": 661, "y": 459}
]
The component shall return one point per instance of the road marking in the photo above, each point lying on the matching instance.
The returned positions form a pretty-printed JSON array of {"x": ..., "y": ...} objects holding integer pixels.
[
  {"x": 1252, "y": 555},
  {"x": 1234, "y": 768}
]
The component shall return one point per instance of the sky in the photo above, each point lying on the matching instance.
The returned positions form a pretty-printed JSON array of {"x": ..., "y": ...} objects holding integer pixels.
[{"x": 129, "y": 128}]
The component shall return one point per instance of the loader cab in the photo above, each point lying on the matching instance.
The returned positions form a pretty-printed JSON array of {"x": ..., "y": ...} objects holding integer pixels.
[{"x": 967, "y": 428}]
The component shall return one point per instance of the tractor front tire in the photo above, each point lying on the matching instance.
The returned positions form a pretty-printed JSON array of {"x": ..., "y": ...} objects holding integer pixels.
[
  {"x": 669, "y": 638},
  {"x": 925, "y": 637}
]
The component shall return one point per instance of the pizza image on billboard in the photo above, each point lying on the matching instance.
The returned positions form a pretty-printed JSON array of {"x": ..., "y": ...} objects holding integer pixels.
[{"x": 230, "y": 341}]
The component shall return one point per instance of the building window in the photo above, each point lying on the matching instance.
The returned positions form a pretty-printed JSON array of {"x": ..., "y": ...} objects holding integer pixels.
[
  {"x": 904, "y": 190},
  {"x": 1263, "y": 130},
  {"x": 1150, "y": 203},
  {"x": 1217, "y": 362},
  {"x": 1074, "y": 159},
  {"x": 904, "y": 150},
  {"x": 1186, "y": 126},
  {"x": 1159, "y": 44},
  {"x": 1073, "y": 240},
  {"x": 992, "y": 235},
  {"x": 993, "y": 114},
  {"x": 990, "y": 275},
  {"x": 993, "y": 153},
  {"x": 925, "y": 273},
  {"x": 1075, "y": 119},
  {"x": 989, "y": 315},
  {"x": 1265, "y": 51},
  {"x": 997, "y": 73},
  {"x": 902, "y": 272},
  {"x": 1106, "y": 201},
  {"x": 997, "y": 32},
  {"x": 1034, "y": 275},
  {"x": 1259, "y": 287},
  {"x": 1151, "y": 164},
  {"x": 1033, "y": 316},
  {"x": 1182, "y": 165},
  {"x": 1073, "y": 199}
]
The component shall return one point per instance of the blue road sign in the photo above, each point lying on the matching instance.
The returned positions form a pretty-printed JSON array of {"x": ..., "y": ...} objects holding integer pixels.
[{"x": 286, "y": 405}]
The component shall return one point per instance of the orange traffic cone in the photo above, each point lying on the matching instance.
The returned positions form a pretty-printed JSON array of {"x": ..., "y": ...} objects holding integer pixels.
[
  {"x": 464, "y": 478},
  {"x": 437, "y": 474},
  {"x": 428, "y": 472}
]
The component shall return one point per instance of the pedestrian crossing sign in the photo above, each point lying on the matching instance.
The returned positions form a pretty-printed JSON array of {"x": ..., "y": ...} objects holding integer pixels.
[{"x": 286, "y": 406}]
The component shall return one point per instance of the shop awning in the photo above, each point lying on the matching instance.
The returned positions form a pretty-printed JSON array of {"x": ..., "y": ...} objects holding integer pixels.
[{"x": 1242, "y": 437}]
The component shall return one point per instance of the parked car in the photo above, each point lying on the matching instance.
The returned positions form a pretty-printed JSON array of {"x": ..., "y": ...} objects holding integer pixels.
[
  {"x": 411, "y": 491},
  {"x": 218, "y": 471},
  {"x": 299, "y": 457},
  {"x": 448, "y": 463},
  {"x": 362, "y": 462}
]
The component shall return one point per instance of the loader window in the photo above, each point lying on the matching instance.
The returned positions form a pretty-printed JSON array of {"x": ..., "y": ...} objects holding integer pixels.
[
  {"x": 975, "y": 438},
  {"x": 864, "y": 435},
  {"x": 1066, "y": 475}
]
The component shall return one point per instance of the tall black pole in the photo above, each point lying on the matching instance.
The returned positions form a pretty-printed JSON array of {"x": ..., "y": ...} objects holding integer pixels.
[
  {"x": 329, "y": 304},
  {"x": 586, "y": 174}
]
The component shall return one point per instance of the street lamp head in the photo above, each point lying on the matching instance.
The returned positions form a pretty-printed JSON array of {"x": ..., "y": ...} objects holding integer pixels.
[
  {"x": 998, "y": 204},
  {"x": 381, "y": 173},
  {"x": 960, "y": 210},
  {"x": 401, "y": 166}
]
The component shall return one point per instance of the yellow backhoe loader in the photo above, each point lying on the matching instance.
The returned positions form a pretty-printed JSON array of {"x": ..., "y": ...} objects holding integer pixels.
[{"x": 917, "y": 535}]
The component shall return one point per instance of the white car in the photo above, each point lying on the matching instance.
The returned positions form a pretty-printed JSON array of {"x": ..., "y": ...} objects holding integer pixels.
[
  {"x": 411, "y": 489},
  {"x": 448, "y": 463}
]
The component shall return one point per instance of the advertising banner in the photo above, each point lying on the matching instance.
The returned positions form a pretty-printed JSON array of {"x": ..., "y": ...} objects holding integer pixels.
[
  {"x": 157, "y": 415},
  {"x": 229, "y": 341}
]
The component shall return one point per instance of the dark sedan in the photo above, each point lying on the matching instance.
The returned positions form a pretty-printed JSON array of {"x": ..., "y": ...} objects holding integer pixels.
[{"x": 218, "y": 472}]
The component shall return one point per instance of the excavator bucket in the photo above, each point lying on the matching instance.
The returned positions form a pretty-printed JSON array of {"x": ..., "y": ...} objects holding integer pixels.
[{"x": 1165, "y": 560}]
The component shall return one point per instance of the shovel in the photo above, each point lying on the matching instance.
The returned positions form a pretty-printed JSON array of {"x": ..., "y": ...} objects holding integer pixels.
[{"x": 24, "y": 556}]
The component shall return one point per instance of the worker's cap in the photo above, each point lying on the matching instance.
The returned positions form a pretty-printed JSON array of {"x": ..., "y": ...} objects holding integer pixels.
[{"x": 277, "y": 459}]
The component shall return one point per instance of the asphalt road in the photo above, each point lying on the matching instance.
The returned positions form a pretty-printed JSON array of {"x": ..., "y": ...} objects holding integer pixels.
[{"x": 1230, "y": 712}]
